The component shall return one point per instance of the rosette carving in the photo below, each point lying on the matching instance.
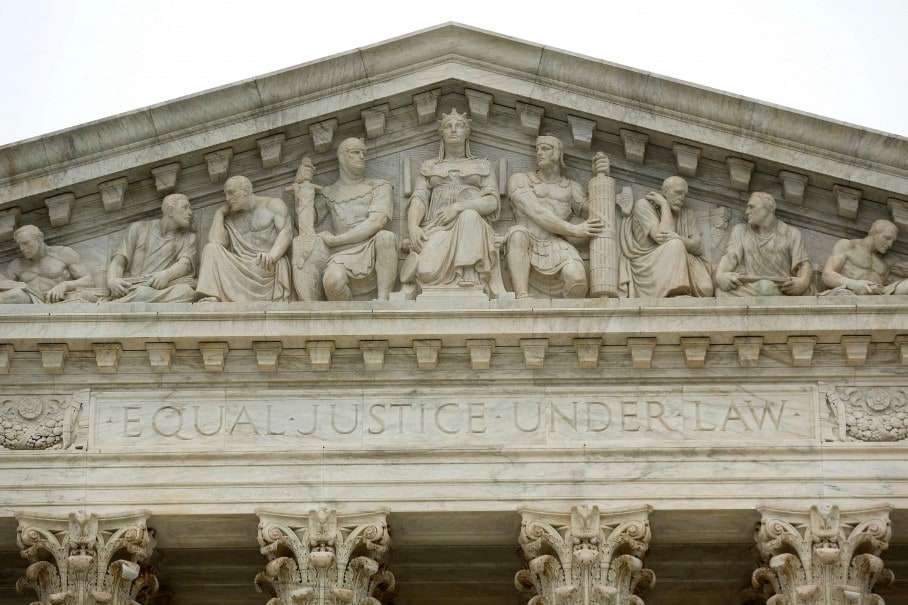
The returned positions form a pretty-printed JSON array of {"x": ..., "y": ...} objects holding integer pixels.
[
  {"x": 325, "y": 558},
  {"x": 870, "y": 413},
  {"x": 38, "y": 422},
  {"x": 584, "y": 557},
  {"x": 824, "y": 556},
  {"x": 85, "y": 559}
]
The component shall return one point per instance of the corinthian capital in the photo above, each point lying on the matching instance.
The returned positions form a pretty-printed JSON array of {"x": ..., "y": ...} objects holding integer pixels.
[
  {"x": 824, "y": 555},
  {"x": 585, "y": 557},
  {"x": 324, "y": 558},
  {"x": 87, "y": 559}
]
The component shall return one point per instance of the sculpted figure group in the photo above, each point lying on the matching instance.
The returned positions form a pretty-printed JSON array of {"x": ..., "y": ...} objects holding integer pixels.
[{"x": 252, "y": 254}]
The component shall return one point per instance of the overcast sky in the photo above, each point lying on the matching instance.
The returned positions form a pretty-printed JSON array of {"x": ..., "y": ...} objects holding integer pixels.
[{"x": 69, "y": 62}]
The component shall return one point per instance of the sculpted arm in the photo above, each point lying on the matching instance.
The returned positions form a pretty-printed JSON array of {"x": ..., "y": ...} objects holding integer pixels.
[
  {"x": 217, "y": 234},
  {"x": 10, "y": 279},
  {"x": 488, "y": 202},
  {"x": 832, "y": 275},
  {"x": 525, "y": 201},
  {"x": 374, "y": 223},
  {"x": 81, "y": 276},
  {"x": 285, "y": 233},
  {"x": 726, "y": 277},
  {"x": 416, "y": 212}
]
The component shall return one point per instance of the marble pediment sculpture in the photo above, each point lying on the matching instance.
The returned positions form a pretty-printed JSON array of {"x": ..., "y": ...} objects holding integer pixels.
[
  {"x": 155, "y": 262},
  {"x": 245, "y": 258},
  {"x": 358, "y": 256},
  {"x": 471, "y": 189},
  {"x": 541, "y": 247},
  {"x": 452, "y": 244},
  {"x": 765, "y": 256},
  {"x": 44, "y": 273},
  {"x": 857, "y": 266},
  {"x": 663, "y": 253}
]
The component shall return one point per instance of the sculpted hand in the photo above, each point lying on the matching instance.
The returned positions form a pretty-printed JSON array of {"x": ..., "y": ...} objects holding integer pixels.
[
  {"x": 57, "y": 293},
  {"x": 588, "y": 229},
  {"x": 305, "y": 190},
  {"x": 417, "y": 238},
  {"x": 794, "y": 286},
  {"x": 663, "y": 236},
  {"x": 728, "y": 281},
  {"x": 118, "y": 286},
  {"x": 862, "y": 286},
  {"x": 601, "y": 165},
  {"x": 266, "y": 260},
  {"x": 449, "y": 213},
  {"x": 329, "y": 239},
  {"x": 159, "y": 280},
  {"x": 657, "y": 198}
]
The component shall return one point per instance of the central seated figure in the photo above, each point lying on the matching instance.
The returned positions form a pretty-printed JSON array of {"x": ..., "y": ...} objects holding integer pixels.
[{"x": 451, "y": 242}]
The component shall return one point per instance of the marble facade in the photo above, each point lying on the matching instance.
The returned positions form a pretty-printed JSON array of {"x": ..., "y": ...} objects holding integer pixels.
[{"x": 455, "y": 318}]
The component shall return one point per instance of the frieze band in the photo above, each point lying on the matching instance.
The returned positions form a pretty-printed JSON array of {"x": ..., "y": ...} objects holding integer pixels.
[{"x": 656, "y": 250}]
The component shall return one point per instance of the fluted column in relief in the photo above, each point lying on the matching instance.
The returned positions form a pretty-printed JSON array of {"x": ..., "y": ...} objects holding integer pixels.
[
  {"x": 86, "y": 559},
  {"x": 324, "y": 558},
  {"x": 585, "y": 557},
  {"x": 823, "y": 556}
]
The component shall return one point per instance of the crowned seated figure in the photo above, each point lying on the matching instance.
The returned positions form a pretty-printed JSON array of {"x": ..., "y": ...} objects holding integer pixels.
[{"x": 452, "y": 243}]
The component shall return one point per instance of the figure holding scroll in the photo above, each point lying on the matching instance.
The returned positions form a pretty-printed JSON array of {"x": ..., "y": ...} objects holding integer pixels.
[
  {"x": 540, "y": 247},
  {"x": 765, "y": 257},
  {"x": 662, "y": 248}
]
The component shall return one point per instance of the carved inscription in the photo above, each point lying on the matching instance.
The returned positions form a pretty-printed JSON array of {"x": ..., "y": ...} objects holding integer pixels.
[{"x": 205, "y": 420}]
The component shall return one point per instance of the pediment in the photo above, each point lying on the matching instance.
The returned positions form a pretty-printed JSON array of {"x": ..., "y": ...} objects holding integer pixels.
[{"x": 832, "y": 180}]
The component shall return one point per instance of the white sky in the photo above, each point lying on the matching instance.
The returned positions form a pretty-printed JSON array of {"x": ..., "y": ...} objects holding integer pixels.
[{"x": 69, "y": 62}]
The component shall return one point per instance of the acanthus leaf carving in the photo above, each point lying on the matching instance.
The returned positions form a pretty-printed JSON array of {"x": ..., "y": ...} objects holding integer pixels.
[
  {"x": 38, "y": 422},
  {"x": 874, "y": 413},
  {"x": 86, "y": 559},
  {"x": 584, "y": 557},
  {"x": 824, "y": 555},
  {"x": 324, "y": 558}
]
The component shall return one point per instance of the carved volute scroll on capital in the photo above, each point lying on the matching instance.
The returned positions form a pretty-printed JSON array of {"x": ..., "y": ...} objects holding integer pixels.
[
  {"x": 870, "y": 413},
  {"x": 585, "y": 557},
  {"x": 84, "y": 559},
  {"x": 824, "y": 556},
  {"x": 324, "y": 558},
  {"x": 38, "y": 422}
]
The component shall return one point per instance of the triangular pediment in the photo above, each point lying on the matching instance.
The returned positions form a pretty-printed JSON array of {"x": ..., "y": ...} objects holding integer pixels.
[{"x": 831, "y": 179}]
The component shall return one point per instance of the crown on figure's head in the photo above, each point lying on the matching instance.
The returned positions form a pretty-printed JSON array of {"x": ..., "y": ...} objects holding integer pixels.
[{"x": 454, "y": 115}]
